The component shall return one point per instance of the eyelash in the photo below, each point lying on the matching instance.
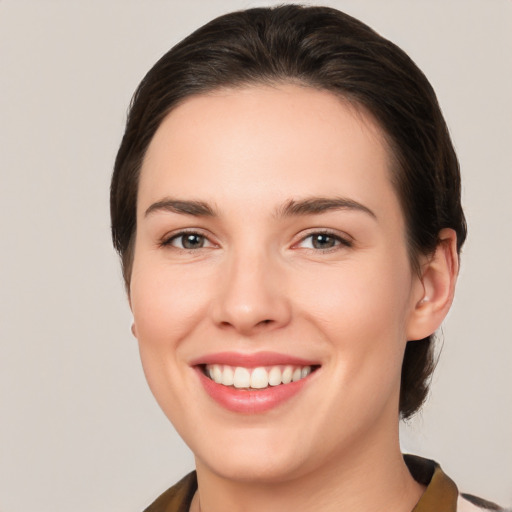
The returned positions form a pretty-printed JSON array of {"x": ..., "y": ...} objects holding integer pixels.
[
  {"x": 168, "y": 241},
  {"x": 338, "y": 240}
]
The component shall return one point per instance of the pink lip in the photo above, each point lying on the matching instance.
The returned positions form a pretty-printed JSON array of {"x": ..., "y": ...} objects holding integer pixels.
[
  {"x": 252, "y": 360},
  {"x": 251, "y": 401}
]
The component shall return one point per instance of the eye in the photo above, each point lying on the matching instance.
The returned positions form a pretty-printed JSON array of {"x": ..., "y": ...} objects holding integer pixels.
[
  {"x": 323, "y": 241},
  {"x": 188, "y": 241}
]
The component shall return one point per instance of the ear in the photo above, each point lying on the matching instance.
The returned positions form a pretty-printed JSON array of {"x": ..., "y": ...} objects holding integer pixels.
[
  {"x": 133, "y": 327},
  {"x": 434, "y": 297}
]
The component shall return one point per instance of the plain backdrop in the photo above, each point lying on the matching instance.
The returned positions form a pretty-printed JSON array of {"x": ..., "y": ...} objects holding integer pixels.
[{"x": 79, "y": 429}]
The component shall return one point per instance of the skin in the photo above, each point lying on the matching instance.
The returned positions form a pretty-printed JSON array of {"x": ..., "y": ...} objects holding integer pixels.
[{"x": 259, "y": 283}]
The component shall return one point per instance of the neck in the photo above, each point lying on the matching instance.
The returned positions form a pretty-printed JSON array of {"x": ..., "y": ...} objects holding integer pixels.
[{"x": 364, "y": 479}]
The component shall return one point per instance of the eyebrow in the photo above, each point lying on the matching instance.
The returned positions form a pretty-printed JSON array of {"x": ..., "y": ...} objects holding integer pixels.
[
  {"x": 318, "y": 205},
  {"x": 195, "y": 208},
  {"x": 293, "y": 207}
]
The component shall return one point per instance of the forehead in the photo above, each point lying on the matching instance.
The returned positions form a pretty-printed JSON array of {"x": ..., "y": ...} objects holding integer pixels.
[{"x": 284, "y": 140}]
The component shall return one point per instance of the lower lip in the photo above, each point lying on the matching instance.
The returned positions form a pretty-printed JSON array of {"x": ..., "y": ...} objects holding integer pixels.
[{"x": 251, "y": 401}]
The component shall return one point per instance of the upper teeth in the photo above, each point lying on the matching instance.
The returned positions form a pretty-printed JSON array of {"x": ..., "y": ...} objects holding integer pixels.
[{"x": 256, "y": 378}]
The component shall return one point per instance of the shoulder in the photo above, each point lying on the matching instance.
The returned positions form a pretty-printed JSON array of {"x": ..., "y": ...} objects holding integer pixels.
[
  {"x": 441, "y": 493},
  {"x": 470, "y": 503},
  {"x": 177, "y": 498}
]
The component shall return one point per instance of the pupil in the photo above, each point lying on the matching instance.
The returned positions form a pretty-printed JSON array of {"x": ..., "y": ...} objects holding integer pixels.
[
  {"x": 323, "y": 241},
  {"x": 192, "y": 241}
]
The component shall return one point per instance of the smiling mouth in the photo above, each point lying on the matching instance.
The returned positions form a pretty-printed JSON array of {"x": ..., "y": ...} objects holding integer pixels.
[{"x": 261, "y": 377}]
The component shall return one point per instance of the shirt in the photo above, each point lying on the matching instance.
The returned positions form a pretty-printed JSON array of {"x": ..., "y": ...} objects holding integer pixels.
[{"x": 441, "y": 493}]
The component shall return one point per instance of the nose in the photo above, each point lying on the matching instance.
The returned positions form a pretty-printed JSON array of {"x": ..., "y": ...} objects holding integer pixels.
[{"x": 252, "y": 294}]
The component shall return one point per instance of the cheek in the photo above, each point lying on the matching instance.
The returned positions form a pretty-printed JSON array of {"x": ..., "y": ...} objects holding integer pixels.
[
  {"x": 164, "y": 303},
  {"x": 358, "y": 298},
  {"x": 167, "y": 306},
  {"x": 362, "y": 312}
]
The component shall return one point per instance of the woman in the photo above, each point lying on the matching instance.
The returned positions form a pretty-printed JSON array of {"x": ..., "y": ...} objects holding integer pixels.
[{"x": 286, "y": 204}]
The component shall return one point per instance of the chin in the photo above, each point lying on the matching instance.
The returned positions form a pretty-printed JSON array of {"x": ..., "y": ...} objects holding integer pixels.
[
  {"x": 265, "y": 454},
  {"x": 253, "y": 470}
]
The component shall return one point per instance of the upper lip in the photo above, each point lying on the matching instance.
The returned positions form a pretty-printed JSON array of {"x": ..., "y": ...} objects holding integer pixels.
[{"x": 252, "y": 360}]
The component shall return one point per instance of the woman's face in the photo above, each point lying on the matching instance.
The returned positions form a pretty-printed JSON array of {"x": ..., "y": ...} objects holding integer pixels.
[{"x": 271, "y": 246}]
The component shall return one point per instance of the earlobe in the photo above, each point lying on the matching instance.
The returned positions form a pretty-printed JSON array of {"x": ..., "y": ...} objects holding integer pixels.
[
  {"x": 438, "y": 277},
  {"x": 134, "y": 329}
]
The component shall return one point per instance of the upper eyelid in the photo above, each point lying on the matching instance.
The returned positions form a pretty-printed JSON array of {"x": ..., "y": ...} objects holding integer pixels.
[
  {"x": 169, "y": 237},
  {"x": 345, "y": 237},
  {"x": 343, "y": 243}
]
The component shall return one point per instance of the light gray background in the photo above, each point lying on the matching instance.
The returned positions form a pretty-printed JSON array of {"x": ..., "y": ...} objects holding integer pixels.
[{"x": 79, "y": 429}]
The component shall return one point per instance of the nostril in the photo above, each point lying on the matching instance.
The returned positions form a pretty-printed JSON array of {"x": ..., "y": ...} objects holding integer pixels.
[{"x": 237, "y": 325}]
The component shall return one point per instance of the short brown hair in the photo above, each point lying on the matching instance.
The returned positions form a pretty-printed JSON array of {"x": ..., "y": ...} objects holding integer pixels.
[{"x": 323, "y": 48}]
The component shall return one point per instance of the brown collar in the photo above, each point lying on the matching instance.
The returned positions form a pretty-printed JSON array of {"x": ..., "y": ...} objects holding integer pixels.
[{"x": 440, "y": 495}]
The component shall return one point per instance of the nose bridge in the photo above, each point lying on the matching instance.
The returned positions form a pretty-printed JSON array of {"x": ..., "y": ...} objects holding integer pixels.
[{"x": 252, "y": 292}]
